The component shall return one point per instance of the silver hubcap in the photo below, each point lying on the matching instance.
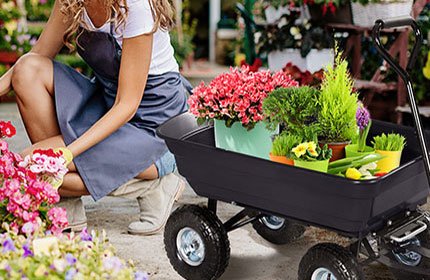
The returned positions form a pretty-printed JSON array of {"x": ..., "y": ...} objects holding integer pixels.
[
  {"x": 323, "y": 274},
  {"x": 273, "y": 222},
  {"x": 409, "y": 258},
  {"x": 190, "y": 246}
]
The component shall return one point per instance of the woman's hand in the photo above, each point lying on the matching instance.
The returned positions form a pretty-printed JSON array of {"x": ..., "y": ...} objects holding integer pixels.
[{"x": 135, "y": 62}]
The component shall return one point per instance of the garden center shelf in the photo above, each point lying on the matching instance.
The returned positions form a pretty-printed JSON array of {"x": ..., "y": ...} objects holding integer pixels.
[{"x": 351, "y": 207}]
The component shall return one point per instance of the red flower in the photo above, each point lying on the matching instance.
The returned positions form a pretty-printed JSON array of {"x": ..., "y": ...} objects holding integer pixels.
[
  {"x": 7, "y": 129},
  {"x": 48, "y": 152}
]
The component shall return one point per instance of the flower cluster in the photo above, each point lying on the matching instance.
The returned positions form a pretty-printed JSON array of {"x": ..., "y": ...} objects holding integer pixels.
[
  {"x": 49, "y": 165},
  {"x": 310, "y": 151},
  {"x": 305, "y": 78},
  {"x": 291, "y": 32},
  {"x": 7, "y": 129},
  {"x": 84, "y": 256},
  {"x": 26, "y": 195},
  {"x": 237, "y": 96},
  {"x": 364, "y": 122}
]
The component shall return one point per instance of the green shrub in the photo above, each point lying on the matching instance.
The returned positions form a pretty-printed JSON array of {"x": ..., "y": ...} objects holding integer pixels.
[
  {"x": 295, "y": 108},
  {"x": 284, "y": 143},
  {"x": 338, "y": 104},
  {"x": 389, "y": 142}
]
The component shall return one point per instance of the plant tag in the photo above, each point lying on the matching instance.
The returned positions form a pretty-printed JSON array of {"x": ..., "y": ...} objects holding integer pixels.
[{"x": 45, "y": 246}]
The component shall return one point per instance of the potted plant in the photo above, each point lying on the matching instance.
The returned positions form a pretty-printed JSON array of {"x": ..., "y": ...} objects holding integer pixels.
[
  {"x": 391, "y": 146},
  {"x": 338, "y": 107},
  {"x": 364, "y": 123},
  {"x": 300, "y": 42},
  {"x": 234, "y": 100},
  {"x": 281, "y": 147},
  {"x": 310, "y": 156},
  {"x": 366, "y": 12},
  {"x": 295, "y": 109}
]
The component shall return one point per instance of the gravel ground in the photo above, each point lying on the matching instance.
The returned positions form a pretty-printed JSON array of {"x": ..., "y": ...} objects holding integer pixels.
[{"x": 251, "y": 256}]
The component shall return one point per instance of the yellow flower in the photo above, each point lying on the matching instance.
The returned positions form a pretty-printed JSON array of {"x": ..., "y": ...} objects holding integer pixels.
[
  {"x": 300, "y": 149},
  {"x": 239, "y": 58},
  {"x": 353, "y": 173},
  {"x": 313, "y": 152},
  {"x": 312, "y": 145},
  {"x": 426, "y": 69},
  {"x": 40, "y": 271},
  {"x": 11, "y": 27}
]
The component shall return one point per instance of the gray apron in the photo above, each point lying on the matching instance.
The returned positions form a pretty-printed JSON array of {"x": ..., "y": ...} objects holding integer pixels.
[{"x": 80, "y": 102}]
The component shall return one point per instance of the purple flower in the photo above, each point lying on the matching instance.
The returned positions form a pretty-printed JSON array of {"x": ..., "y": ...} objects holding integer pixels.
[
  {"x": 112, "y": 263},
  {"x": 139, "y": 275},
  {"x": 8, "y": 245},
  {"x": 85, "y": 236},
  {"x": 362, "y": 116},
  {"x": 27, "y": 251},
  {"x": 71, "y": 260},
  {"x": 70, "y": 274}
]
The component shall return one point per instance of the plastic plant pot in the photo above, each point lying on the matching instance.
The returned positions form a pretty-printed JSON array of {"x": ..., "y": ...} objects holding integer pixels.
[
  {"x": 337, "y": 148},
  {"x": 390, "y": 162},
  {"x": 256, "y": 142},
  {"x": 281, "y": 159},
  {"x": 351, "y": 150},
  {"x": 320, "y": 165}
]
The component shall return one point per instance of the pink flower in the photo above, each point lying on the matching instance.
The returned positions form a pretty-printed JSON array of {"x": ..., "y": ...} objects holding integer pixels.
[
  {"x": 232, "y": 95},
  {"x": 58, "y": 217},
  {"x": 3, "y": 146}
]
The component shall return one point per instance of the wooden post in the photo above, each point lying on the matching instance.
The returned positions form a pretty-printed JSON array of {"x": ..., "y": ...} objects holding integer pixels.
[
  {"x": 22, "y": 22},
  {"x": 214, "y": 17}
]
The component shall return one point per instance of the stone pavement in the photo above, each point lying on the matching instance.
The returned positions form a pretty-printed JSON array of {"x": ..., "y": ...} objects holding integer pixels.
[{"x": 251, "y": 256}]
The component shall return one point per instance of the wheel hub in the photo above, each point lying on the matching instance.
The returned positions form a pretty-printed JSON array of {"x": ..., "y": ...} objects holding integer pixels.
[
  {"x": 323, "y": 274},
  {"x": 190, "y": 246},
  {"x": 273, "y": 222},
  {"x": 407, "y": 257}
]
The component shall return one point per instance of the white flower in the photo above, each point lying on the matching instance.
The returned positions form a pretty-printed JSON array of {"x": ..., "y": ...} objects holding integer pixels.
[{"x": 282, "y": 22}]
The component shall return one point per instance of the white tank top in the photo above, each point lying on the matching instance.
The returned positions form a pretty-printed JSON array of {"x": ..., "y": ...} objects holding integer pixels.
[{"x": 138, "y": 22}]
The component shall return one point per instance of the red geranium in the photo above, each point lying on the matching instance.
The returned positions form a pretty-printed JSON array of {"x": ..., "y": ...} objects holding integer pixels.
[{"x": 7, "y": 129}]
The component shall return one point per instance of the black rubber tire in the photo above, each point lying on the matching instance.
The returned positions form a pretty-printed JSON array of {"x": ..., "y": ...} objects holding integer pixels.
[
  {"x": 424, "y": 239},
  {"x": 211, "y": 230},
  {"x": 289, "y": 232},
  {"x": 333, "y": 257}
]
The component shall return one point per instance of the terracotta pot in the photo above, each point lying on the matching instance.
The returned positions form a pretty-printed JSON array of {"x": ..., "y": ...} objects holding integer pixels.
[
  {"x": 338, "y": 149},
  {"x": 281, "y": 159},
  {"x": 343, "y": 14},
  {"x": 7, "y": 57}
]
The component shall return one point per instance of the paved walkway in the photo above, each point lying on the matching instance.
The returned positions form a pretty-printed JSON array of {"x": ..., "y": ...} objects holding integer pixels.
[{"x": 251, "y": 256}]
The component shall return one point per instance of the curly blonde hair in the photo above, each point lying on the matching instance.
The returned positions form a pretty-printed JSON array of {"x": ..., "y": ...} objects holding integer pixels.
[{"x": 162, "y": 11}]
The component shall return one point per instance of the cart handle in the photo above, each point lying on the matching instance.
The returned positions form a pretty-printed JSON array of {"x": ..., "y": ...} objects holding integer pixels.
[{"x": 403, "y": 73}]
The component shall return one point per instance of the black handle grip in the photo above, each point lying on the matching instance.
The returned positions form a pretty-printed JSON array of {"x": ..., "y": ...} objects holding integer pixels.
[
  {"x": 396, "y": 22},
  {"x": 403, "y": 73}
]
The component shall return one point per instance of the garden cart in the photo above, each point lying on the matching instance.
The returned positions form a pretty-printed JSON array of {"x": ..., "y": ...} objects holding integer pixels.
[{"x": 381, "y": 217}]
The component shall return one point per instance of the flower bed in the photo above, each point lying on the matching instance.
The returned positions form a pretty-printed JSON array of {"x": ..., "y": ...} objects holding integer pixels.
[{"x": 32, "y": 242}]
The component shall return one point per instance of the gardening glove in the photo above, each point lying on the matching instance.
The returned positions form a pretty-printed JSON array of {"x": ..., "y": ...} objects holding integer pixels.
[{"x": 68, "y": 157}]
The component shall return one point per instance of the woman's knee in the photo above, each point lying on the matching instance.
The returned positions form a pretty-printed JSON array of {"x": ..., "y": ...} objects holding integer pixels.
[{"x": 29, "y": 70}]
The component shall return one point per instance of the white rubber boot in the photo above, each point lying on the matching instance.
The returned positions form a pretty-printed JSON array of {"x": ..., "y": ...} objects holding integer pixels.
[
  {"x": 156, "y": 205},
  {"x": 75, "y": 213}
]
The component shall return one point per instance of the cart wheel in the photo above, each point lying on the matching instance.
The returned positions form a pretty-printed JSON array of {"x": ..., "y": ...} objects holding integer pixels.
[
  {"x": 329, "y": 261},
  {"x": 413, "y": 259},
  {"x": 278, "y": 230},
  {"x": 196, "y": 243}
]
